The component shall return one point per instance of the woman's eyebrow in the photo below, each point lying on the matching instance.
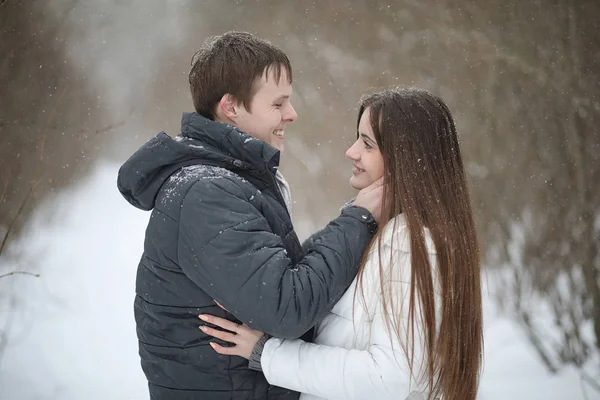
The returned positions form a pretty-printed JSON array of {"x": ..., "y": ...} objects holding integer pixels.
[{"x": 366, "y": 137}]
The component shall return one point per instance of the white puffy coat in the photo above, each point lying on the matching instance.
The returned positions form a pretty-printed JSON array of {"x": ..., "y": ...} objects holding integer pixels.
[{"x": 353, "y": 355}]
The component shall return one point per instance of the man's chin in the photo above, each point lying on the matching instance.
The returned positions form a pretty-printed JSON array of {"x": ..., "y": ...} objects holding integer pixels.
[{"x": 278, "y": 146}]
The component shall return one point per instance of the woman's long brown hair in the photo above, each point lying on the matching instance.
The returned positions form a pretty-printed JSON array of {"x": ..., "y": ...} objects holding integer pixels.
[{"x": 425, "y": 181}]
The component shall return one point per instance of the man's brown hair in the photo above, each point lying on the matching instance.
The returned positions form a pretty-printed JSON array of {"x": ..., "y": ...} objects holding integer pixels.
[{"x": 233, "y": 63}]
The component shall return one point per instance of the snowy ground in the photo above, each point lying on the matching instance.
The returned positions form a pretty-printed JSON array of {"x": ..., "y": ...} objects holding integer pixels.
[{"x": 71, "y": 333}]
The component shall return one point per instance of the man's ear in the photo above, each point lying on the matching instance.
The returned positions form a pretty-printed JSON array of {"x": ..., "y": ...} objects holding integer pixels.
[{"x": 228, "y": 107}]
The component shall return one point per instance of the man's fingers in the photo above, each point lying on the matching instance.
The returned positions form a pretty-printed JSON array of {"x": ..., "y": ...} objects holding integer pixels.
[
  {"x": 377, "y": 183},
  {"x": 373, "y": 186}
]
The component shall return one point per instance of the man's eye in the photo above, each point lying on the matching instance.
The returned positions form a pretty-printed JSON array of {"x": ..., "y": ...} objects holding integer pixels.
[{"x": 278, "y": 105}]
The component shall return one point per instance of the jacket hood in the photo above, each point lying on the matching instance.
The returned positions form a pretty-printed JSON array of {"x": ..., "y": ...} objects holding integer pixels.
[{"x": 202, "y": 141}]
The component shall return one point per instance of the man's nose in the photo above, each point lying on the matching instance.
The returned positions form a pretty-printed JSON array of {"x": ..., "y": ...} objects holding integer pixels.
[{"x": 291, "y": 114}]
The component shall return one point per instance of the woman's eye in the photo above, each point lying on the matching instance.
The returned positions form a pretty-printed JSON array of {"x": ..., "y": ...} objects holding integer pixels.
[{"x": 367, "y": 145}]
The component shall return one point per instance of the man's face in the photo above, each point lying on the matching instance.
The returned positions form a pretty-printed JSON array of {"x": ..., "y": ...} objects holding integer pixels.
[{"x": 270, "y": 110}]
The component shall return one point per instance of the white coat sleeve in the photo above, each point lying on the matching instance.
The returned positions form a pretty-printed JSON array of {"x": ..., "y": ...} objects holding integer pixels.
[{"x": 380, "y": 372}]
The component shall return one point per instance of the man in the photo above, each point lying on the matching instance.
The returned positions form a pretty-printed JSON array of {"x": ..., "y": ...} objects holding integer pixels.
[{"x": 221, "y": 230}]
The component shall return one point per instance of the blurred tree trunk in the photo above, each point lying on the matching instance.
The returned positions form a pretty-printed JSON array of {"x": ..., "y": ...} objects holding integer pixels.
[
  {"x": 47, "y": 134},
  {"x": 546, "y": 219}
]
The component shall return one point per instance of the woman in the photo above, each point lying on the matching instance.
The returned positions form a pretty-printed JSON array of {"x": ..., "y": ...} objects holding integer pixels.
[{"x": 410, "y": 325}]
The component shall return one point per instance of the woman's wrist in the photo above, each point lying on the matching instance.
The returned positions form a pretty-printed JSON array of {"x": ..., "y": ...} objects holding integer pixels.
[{"x": 254, "y": 360}]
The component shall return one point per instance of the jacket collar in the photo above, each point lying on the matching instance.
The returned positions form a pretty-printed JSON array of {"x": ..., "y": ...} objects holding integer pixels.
[{"x": 230, "y": 140}]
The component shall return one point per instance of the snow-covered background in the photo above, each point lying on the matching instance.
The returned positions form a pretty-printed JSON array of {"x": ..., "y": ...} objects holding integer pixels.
[
  {"x": 71, "y": 331},
  {"x": 84, "y": 83}
]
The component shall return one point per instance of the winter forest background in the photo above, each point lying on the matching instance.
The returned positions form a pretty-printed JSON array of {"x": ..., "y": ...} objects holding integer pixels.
[{"x": 83, "y": 83}]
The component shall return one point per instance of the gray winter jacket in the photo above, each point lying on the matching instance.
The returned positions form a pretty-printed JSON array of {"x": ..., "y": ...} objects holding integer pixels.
[{"x": 219, "y": 230}]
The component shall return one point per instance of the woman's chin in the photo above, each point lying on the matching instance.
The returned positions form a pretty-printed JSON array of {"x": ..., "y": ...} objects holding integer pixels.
[{"x": 356, "y": 183}]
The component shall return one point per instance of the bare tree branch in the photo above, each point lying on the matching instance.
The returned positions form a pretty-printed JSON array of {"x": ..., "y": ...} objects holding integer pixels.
[
  {"x": 588, "y": 379},
  {"x": 19, "y": 273},
  {"x": 17, "y": 215}
]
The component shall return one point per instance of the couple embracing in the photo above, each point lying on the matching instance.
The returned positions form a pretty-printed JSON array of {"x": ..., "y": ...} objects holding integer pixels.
[{"x": 382, "y": 303}]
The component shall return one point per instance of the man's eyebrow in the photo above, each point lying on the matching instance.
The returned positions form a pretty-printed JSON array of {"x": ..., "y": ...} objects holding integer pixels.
[{"x": 282, "y": 97}]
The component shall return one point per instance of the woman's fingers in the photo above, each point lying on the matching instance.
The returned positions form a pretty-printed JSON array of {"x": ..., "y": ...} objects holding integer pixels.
[
  {"x": 225, "y": 336},
  {"x": 220, "y": 322},
  {"x": 242, "y": 337},
  {"x": 227, "y": 351},
  {"x": 220, "y": 305}
]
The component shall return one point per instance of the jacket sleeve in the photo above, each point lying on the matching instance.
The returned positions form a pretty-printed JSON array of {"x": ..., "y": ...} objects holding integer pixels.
[
  {"x": 228, "y": 249},
  {"x": 381, "y": 371},
  {"x": 308, "y": 243}
]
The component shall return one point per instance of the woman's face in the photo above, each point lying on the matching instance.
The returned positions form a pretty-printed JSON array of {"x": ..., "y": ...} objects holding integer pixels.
[{"x": 366, "y": 158}]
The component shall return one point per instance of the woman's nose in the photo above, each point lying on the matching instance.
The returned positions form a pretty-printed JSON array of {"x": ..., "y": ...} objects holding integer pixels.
[{"x": 352, "y": 153}]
